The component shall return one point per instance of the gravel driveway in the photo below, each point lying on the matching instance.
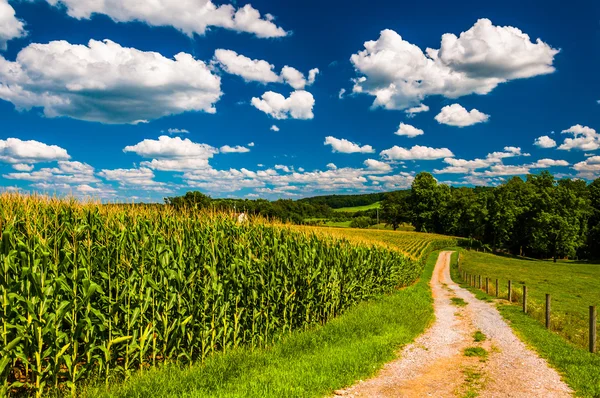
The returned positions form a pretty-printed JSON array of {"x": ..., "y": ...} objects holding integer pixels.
[{"x": 435, "y": 364}]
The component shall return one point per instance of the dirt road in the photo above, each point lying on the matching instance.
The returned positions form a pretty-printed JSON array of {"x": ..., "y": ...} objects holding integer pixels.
[{"x": 436, "y": 364}]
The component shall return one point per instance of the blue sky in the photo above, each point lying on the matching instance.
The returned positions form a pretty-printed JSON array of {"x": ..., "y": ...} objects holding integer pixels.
[{"x": 122, "y": 101}]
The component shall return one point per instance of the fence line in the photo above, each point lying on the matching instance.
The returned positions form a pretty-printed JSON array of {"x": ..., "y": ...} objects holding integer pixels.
[{"x": 474, "y": 280}]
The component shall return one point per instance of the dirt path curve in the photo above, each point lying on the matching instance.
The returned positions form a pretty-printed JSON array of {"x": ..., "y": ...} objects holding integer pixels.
[{"x": 435, "y": 364}]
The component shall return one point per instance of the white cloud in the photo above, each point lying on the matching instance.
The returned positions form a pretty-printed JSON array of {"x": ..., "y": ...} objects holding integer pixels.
[
  {"x": 10, "y": 26},
  {"x": 546, "y": 163},
  {"x": 462, "y": 166},
  {"x": 376, "y": 165},
  {"x": 456, "y": 115},
  {"x": 417, "y": 152},
  {"x": 331, "y": 166},
  {"x": 274, "y": 128},
  {"x": 188, "y": 16},
  {"x": 401, "y": 180},
  {"x": 127, "y": 178},
  {"x": 341, "y": 93},
  {"x": 235, "y": 149},
  {"x": 283, "y": 168},
  {"x": 107, "y": 83},
  {"x": 299, "y": 105},
  {"x": 544, "y": 142},
  {"x": 14, "y": 151},
  {"x": 251, "y": 144},
  {"x": 408, "y": 131},
  {"x": 312, "y": 76},
  {"x": 22, "y": 167},
  {"x": 400, "y": 75},
  {"x": 590, "y": 168},
  {"x": 411, "y": 112},
  {"x": 67, "y": 173},
  {"x": 344, "y": 146},
  {"x": 177, "y": 131},
  {"x": 257, "y": 70},
  {"x": 584, "y": 139},
  {"x": 251, "y": 70},
  {"x": 506, "y": 170},
  {"x": 509, "y": 152},
  {"x": 293, "y": 77},
  {"x": 173, "y": 153}
]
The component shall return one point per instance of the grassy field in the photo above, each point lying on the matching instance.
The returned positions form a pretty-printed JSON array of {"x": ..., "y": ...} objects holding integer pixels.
[
  {"x": 573, "y": 287},
  {"x": 579, "y": 368},
  {"x": 354, "y": 209},
  {"x": 311, "y": 363}
]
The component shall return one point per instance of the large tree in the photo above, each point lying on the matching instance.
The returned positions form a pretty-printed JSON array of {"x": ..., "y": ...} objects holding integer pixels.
[{"x": 395, "y": 209}]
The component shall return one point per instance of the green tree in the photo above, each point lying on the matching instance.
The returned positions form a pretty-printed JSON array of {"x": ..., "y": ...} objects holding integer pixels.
[
  {"x": 395, "y": 209},
  {"x": 424, "y": 202},
  {"x": 191, "y": 200},
  {"x": 560, "y": 216}
]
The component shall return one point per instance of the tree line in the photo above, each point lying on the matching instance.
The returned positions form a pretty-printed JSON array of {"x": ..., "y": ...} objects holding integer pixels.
[{"x": 538, "y": 217}]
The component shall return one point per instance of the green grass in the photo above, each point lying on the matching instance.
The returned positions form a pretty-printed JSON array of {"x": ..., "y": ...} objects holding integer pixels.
[
  {"x": 579, "y": 368},
  {"x": 478, "y": 336},
  {"x": 376, "y": 205},
  {"x": 457, "y": 301},
  {"x": 573, "y": 287},
  {"x": 312, "y": 363},
  {"x": 475, "y": 352}
]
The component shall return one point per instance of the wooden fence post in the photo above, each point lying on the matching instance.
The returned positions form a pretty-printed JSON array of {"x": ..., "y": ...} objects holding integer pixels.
[
  {"x": 479, "y": 281},
  {"x": 487, "y": 285},
  {"x": 525, "y": 299},
  {"x": 593, "y": 328},
  {"x": 547, "y": 311},
  {"x": 497, "y": 290},
  {"x": 509, "y": 291}
]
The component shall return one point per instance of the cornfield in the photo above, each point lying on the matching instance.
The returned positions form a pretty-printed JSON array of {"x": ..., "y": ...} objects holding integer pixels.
[{"x": 90, "y": 291}]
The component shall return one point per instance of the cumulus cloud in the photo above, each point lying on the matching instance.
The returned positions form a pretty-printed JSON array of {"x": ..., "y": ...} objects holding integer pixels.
[
  {"x": 376, "y": 165},
  {"x": 293, "y": 77},
  {"x": 544, "y": 142},
  {"x": 456, "y": 115},
  {"x": 66, "y": 174},
  {"x": 251, "y": 70},
  {"x": 128, "y": 178},
  {"x": 462, "y": 166},
  {"x": 411, "y": 112},
  {"x": 257, "y": 70},
  {"x": 590, "y": 168},
  {"x": 417, "y": 152},
  {"x": 408, "y": 131},
  {"x": 234, "y": 149},
  {"x": 16, "y": 151},
  {"x": 10, "y": 26},
  {"x": 344, "y": 146},
  {"x": 188, "y": 16},
  {"x": 299, "y": 105},
  {"x": 274, "y": 128},
  {"x": 546, "y": 163},
  {"x": 22, "y": 167},
  {"x": 401, "y": 180},
  {"x": 341, "y": 93},
  {"x": 173, "y": 153},
  {"x": 107, "y": 83},
  {"x": 584, "y": 139},
  {"x": 509, "y": 152},
  {"x": 400, "y": 75},
  {"x": 506, "y": 170}
]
